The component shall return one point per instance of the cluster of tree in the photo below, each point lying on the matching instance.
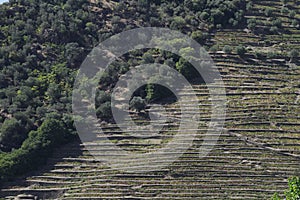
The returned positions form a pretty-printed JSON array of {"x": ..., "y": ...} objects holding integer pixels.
[
  {"x": 42, "y": 45},
  {"x": 273, "y": 24},
  {"x": 14, "y": 131},
  {"x": 148, "y": 93},
  {"x": 186, "y": 14},
  {"x": 34, "y": 150}
]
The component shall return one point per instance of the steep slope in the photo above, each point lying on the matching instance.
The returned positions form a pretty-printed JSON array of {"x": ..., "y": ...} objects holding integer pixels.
[{"x": 257, "y": 152}]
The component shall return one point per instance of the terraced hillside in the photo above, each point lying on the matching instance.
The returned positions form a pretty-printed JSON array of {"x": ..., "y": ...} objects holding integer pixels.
[{"x": 256, "y": 153}]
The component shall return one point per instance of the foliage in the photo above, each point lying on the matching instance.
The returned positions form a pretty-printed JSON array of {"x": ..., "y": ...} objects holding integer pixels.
[
  {"x": 251, "y": 23},
  {"x": 293, "y": 54},
  {"x": 240, "y": 50},
  {"x": 34, "y": 150},
  {"x": 42, "y": 44},
  {"x": 104, "y": 111},
  {"x": 293, "y": 193},
  {"x": 268, "y": 12},
  {"x": 199, "y": 36},
  {"x": 138, "y": 104},
  {"x": 14, "y": 131},
  {"x": 101, "y": 97},
  {"x": 227, "y": 49},
  {"x": 11, "y": 135}
]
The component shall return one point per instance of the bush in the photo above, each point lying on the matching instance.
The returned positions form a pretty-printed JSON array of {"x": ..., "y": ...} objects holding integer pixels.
[
  {"x": 199, "y": 36},
  {"x": 12, "y": 135},
  {"x": 277, "y": 23},
  {"x": 138, "y": 104},
  {"x": 249, "y": 6},
  {"x": 251, "y": 24},
  {"x": 271, "y": 54},
  {"x": 268, "y": 12},
  {"x": 292, "y": 14},
  {"x": 241, "y": 50},
  {"x": 294, "y": 189},
  {"x": 293, "y": 193},
  {"x": 157, "y": 92},
  {"x": 186, "y": 69},
  {"x": 293, "y": 54},
  {"x": 34, "y": 150},
  {"x": 204, "y": 16},
  {"x": 227, "y": 49},
  {"x": 177, "y": 23},
  {"x": 101, "y": 97},
  {"x": 295, "y": 23},
  {"x": 148, "y": 58},
  {"x": 214, "y": 48},
  {"x": 274, "y": 29},
  {"x": 104, "y": 111},
  {"x": 284, "y": 10}
]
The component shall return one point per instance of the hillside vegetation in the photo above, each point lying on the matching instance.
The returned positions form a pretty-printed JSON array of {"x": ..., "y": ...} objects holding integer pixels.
[{"x": 255, "y": 46}]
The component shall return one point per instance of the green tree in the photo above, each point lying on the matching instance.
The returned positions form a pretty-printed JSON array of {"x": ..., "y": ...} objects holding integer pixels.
[
  {"x": 73, "y": 54},
  {"x": 199, "y": 36},
  {"x": 204, "y": 16},
  {"x": 138, "y": 104},
  {"x": 227, "y": 49},
  {"x": 101, "y": 97},
  {"x": 268, "y": 12},
  {"x": 12, "y": 134},
  {"x": 147, "y": 58},
  {"x": 295, "y": 23},
  {"x": 249, "y": 6},
  {"x": 53, "y": 92},
  {"x": 251, "y": 24},
  {"x": 294, "y": 189},
  {"x": 292, "y": 14},
  {"x": 293, "y": 54},
  {"x": 104, "y": 111},
  {"x": 177, "y": 23},
  {"x": 186, "y": 68},
  {"x": 214, "y": 48},
  {"x": 240, "y": 50},
  {"x": 293, "y": 193},
  {"x": 277, "y": 23}
]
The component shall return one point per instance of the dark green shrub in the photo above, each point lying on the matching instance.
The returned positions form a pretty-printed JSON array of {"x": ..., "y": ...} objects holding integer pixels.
[
  {"x": 104, "y": 111},
  {"x": 293, "y": 54},
  {"x": 199, "y": 36},
  {"x": 138, "y": 104},
  {"x": 240, "y": 50},
  {"x": 268, "y": 12},
  {"x": 251, "y": 24},
  {"x": 35, "y": 149},
  {"x": 12, "y": 134},
  {"x": 295, "y": 23},
  {"x": 227, "y": 49},
  {"x": 186, "y": 69},
  {"x": 214, "y": 48},
  {"x": 204, "y": 16},
  {"x": 292, "y": 14},
  {"x": 101, "y": 97},
  {"x": 249, "y": 6},
  {"x": 177, "y": 23}
]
